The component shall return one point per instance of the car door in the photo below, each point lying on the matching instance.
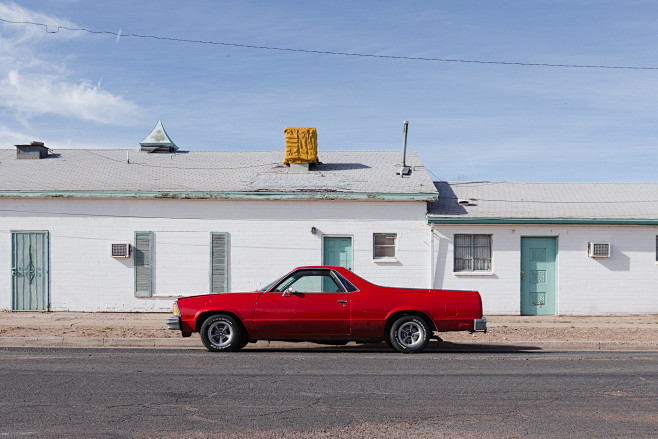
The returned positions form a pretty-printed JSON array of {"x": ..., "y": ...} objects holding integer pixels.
[{"x": 309, "y": 303}]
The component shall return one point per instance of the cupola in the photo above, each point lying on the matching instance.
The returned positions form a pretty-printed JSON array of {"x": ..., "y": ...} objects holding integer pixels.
[{"x": 158, "y": 141}]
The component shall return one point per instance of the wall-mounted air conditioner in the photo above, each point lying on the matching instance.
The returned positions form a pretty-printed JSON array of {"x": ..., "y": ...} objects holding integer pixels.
[
  {"x": 598, "y": 250},
  {"x": 121, "y": 250}
]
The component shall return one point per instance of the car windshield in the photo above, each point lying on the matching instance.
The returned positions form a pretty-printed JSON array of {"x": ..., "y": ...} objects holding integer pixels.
[{"x": 268, "y": 286}]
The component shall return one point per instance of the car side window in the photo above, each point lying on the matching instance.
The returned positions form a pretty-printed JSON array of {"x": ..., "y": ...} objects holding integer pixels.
[
  {"x": 347, "y": 284},
  {"x": 309, "y": 281}
]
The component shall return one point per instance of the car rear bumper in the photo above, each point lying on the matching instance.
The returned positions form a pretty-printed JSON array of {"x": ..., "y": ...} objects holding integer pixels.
[
  {"x": 173, "y": 323},
  {"x": 480, "y": 325}
]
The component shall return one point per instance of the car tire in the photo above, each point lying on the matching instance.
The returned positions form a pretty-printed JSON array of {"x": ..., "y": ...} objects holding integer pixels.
[
  {"x": 222, "y": 333},
  {"x": 409, "y": 334}
]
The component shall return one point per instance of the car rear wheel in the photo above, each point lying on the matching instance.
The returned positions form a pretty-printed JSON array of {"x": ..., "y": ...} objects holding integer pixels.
[
  {"x": 409, "y": 334},
  {"x": 221, "y": 333}
]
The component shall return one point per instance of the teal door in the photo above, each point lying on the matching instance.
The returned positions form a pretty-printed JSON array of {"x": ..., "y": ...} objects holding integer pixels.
[
  {"x": 538, "y": 276},
  {"x": 29, "y": 271},
  {"x": 337, "y": 251}
]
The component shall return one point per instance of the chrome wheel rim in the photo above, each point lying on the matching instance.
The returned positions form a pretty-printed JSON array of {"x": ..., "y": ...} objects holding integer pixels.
[
  {"x": 410, "y": 334},
  {"x": 220, "y": 334}
]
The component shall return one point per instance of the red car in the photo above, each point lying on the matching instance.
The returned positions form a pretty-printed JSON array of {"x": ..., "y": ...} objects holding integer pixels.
[{"x": 327, "y": 305}]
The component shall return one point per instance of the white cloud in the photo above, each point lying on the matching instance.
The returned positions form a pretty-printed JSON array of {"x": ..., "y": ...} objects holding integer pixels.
[
  {"x": 38, "y": 94},
  {"x": 32, "y": 85},
  {"x": 10, "y": 137}
]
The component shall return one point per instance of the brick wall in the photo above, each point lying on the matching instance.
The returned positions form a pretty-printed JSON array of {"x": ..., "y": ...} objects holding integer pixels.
[
  {"x": 266, "y": 239},
  {"x": 625, "y": 283}
]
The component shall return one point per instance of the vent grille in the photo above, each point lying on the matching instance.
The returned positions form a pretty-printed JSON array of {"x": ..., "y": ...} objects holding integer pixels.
[
  {"x": 120, "y": 250},
  {"x": 598, "y": 250}
]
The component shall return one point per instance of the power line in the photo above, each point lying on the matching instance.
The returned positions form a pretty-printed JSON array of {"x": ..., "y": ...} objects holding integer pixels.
[
  {"x": 186, "y": 168},
  {"x": 327, "y": 52}
]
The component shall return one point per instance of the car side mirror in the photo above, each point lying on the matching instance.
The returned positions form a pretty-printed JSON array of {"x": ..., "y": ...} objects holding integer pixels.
[{"x": 287, "y": 292}]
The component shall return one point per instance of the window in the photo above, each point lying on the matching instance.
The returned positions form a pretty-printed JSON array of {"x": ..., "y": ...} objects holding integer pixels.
[
  {"x": 309, "y": 281},
  {"x": 656, "y": 248},
  {"x": 383, "y": 245},
  {"x": 347, "y": 284},
  {"x": 472, "y": 253},
  {"x": 143, "y": 250}
]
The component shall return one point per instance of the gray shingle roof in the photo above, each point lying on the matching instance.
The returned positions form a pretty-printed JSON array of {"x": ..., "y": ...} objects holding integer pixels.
[
  {"x": 341, "y": 172},
  {"x": 546, "y": 200}
]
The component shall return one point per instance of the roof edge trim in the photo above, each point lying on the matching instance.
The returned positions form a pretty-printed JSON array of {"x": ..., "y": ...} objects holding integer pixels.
[
  {"x": 199, "y": 195},
  {"x": 541, "y": 221}
]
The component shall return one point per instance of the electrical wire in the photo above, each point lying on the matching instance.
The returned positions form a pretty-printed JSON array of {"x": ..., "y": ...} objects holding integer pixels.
[
  {"x": 180, "y": 167},
  {"x": 327, "y": 52}
]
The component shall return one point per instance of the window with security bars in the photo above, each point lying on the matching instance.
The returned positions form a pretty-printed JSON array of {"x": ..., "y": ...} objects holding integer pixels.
[
  {"x": 472, "y": 253},
  {"x": 383, "y": 245}
]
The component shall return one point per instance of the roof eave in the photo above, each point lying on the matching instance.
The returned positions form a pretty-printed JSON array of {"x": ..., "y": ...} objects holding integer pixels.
[
  {"x": 545, "y": 221},
  {"x": 219, "y": 195}
]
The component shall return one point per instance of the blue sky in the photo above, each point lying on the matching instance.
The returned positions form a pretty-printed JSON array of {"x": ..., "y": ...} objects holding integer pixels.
[{"x": 467, "y": 121}]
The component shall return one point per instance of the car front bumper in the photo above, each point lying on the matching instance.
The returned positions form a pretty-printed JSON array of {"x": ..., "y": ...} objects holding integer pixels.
[
  {"x": 173, "y": 323},
  {"x": 480, "y": 325}
]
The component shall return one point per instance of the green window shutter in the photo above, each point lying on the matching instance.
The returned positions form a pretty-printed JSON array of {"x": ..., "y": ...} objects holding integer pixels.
[
  {"x": 218, "y": 262},
  {"x": 143, "y": 275}
]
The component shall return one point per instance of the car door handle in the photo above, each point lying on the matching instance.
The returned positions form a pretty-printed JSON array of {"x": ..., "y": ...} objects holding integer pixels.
[{"x": 342, "y": 301}]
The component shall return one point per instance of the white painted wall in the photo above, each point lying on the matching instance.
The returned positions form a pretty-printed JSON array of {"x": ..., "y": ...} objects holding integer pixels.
[
  {"x": 266, "y": 240},
  {"x": 625, "y": 283},
  {"x": 269, "y": 238}
]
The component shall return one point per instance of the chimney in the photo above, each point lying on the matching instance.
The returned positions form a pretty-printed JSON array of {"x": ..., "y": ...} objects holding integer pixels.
[
  {"x": 301, "y": 147},
  {"x": 35, "y": 150}
]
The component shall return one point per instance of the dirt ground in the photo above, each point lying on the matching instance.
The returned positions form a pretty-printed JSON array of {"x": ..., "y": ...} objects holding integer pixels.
[{"x": 502, "y": 329}]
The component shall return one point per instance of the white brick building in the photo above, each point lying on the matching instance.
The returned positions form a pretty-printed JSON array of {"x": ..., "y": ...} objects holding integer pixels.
[
  {"x": 557, "y": 222},
  {"x": 234, "y": 221},
  {"x": 200, "y": 222}
]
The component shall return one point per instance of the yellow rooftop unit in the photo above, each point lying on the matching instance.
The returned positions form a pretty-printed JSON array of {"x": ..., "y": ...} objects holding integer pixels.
[{"x": 301, "y": 145}]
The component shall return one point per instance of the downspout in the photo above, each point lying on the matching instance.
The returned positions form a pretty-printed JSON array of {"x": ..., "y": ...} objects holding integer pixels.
[{"x": 431, "y": 276}]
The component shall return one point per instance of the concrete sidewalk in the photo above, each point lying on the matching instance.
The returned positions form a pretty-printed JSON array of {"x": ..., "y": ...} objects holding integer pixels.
[{"x": 506, "y": 333}]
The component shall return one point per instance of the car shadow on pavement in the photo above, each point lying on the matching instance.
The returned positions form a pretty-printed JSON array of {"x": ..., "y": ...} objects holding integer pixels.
[{"x": 432, "y": 347}]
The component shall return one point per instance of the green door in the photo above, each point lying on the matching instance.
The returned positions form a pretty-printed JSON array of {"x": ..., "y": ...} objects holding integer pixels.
[
  {"x": 337, "y": 251},
  {"x": 29, "y": 271},
  {"x": 538, "y": 276}
]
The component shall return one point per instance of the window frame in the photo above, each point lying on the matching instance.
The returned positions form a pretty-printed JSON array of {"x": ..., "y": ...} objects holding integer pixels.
[
  {"x": 472, "y": 259},
  {"x": 318, "y": 272},
  {"x": 375, "y": 246}
]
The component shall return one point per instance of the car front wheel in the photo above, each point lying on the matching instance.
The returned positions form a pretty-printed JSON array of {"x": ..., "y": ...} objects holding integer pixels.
[
  {"x": 409, "y": 334},
  {"x": 221, "y": 333}
]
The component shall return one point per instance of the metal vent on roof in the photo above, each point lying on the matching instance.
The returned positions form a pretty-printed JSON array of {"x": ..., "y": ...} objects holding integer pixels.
[
  {"x": 35, "y": 150},
  {"x": 158, "y": 140},
  {"x": 598, "y": 250}
]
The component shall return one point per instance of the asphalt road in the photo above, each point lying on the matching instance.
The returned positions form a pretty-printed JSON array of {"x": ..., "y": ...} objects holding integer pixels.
[{"x": 103, "y": 393}]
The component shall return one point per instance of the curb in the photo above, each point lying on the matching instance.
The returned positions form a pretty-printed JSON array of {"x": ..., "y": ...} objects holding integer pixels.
[{"x": 195, "y": 343}]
